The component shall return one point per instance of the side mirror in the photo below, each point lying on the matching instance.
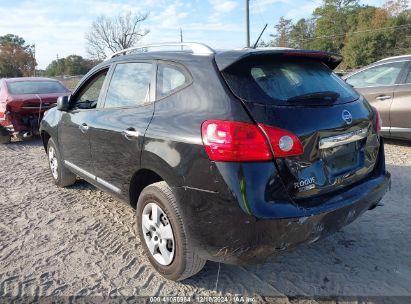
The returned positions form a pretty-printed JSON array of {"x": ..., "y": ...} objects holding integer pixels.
[{"x": 63, "y": 103}]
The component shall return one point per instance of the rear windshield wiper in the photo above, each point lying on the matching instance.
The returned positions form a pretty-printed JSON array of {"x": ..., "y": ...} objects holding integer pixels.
[{"x": 327, "y": 95}]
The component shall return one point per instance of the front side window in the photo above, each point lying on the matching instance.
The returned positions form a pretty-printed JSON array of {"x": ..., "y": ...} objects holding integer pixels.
[
  {"x": 170, "y": 78},
  {"x": 129, "y": 85},
  {"x": 88, "y": 97},
  {"x": 384, "y": 74}
]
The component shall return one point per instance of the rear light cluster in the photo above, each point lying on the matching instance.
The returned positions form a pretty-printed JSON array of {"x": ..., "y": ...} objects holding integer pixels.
[
  {"x": 283, "y": 143},
  {"x": 378, "y": 120},
  {"x": 240, "y": 141}
]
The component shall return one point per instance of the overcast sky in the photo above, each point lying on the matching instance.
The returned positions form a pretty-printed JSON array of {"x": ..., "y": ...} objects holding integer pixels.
[{"x": 57, "y": 27}]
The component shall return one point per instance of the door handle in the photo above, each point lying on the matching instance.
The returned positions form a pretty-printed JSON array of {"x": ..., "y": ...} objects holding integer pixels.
[
  {"x": 130, "y": 134},
  {"x": 83, "y": 127},
  {"x": 383, "y": 97}
]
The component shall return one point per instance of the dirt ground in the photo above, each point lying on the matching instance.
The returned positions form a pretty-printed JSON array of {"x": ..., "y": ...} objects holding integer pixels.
[{"x": 80, "y": 241}]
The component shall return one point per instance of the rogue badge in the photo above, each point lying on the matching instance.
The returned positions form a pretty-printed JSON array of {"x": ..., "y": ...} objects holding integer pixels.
[{"x": 305, "y": 184}]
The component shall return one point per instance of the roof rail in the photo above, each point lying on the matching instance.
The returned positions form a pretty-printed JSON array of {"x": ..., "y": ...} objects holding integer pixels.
[
  {"x": 394, "y": 57},
  {"x": 196, "y": 48}
]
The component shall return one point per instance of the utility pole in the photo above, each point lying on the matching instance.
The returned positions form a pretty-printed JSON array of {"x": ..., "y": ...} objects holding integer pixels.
[
  {"x": 247, "y": 21},
  {"x": 181, "y": 37},
  {"x": 34, "y": 59},
  {"x": 57, "y": 64}
]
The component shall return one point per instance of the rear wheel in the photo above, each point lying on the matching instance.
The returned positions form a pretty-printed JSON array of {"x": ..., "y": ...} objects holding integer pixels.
[
  {"x": 62, "y": 176},
  {"x": 161, "y": 230},
  {"x": 5, "y": 136}
]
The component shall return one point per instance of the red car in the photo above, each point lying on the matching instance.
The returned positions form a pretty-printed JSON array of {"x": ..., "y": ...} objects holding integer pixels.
[{"x": 23, "y": 102}]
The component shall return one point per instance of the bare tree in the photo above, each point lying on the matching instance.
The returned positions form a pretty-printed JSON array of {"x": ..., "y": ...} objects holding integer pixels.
[
  {"x": 108, "y": 35},
  {"x": 395, "y": 7}
]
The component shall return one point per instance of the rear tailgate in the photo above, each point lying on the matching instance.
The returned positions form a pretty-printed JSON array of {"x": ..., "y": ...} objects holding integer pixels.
[
  {"x": 32, "y": 103},
  {"x": 335, "y": 154},
  {"x": 336, "y": 130}
]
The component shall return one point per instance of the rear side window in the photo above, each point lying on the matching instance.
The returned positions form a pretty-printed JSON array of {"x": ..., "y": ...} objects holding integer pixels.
[
  {"x": 170, "y": 78},
  {"x": 35, "y": 87},
  {"x": 272, "y": 81},
  {"x": 384, "y": 74},
  {"x": 129, "y": 85}
]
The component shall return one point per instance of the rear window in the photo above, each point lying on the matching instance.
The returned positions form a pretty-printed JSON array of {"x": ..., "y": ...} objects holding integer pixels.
[
  {"x": 271, "y": 81},
  {"x": 35, "y": 87}
]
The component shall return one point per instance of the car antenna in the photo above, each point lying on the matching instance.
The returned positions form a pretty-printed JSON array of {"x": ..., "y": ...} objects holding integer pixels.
[{"x": 258, "y": 39}]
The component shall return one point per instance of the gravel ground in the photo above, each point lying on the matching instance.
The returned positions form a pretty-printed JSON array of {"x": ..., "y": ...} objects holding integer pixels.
[{"x": 80, "y": 241}]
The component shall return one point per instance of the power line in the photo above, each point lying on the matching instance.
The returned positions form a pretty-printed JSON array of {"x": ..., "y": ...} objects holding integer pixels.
[{"x": 260, "y": 13}]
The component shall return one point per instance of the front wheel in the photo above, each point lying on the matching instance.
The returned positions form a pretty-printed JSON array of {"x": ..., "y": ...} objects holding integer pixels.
[
  {"x": 62, "y": 176},
  {"x": 162, "y": 233}
]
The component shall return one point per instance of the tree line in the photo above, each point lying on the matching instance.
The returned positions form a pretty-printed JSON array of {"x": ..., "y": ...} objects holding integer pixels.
[
  {"x": 16, "y": 57},
  {"x": 361, "y": 33},
  {"x": 106, "y": 35},
  {"x": 71, "y": 65}
]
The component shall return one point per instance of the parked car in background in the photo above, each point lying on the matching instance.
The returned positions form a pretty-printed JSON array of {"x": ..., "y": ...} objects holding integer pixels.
[
  {"x": 386, "y": 84},
  {"x": 23, "y": 102},
  {"x": 227, "y": 156}
]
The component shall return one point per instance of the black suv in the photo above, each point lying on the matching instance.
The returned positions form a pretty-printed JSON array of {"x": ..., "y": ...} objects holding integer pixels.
[{"x": 227, "y": 156}]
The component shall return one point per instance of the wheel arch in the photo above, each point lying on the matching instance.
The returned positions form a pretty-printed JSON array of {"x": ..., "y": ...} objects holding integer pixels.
[
  {"x": 45, "y": 136},
  {"x": 141, "y": 179},
  {"x": 153, "y": 169}
]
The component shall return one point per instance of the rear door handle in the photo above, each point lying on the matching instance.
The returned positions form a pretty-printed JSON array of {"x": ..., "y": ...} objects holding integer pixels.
[
  {"x": 83, "y": 127},
  {"x": 130, "y": 134},
  {"x": 383, "y": 97}
]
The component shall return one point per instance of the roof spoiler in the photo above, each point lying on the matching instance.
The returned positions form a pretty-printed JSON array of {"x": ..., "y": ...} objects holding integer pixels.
[{"x": 228, "y": 58}]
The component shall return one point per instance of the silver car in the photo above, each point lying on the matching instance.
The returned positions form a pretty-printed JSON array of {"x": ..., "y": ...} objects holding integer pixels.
[{"x": 386, "y": 84}]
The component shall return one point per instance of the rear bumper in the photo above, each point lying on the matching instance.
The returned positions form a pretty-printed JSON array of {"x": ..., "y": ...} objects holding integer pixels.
[
  {"x": 221, "y": 231},
  {"x": 15, "y": 122}
]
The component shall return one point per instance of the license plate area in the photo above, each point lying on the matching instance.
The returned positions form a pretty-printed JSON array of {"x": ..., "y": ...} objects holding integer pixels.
[
  {"x": 344, "y": 152},
  {"x": 343, "y": 158}
]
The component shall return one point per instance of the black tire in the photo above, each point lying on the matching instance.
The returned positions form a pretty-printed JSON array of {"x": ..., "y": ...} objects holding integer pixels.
[
  {"x": 5, "y": 136},
  {"x": 63, "y": 177},
  {"x": 186, "y": 262},
  {"x": 5, "y": 139}
]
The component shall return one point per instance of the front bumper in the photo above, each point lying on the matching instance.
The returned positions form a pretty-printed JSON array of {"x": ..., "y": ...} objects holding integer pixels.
[{"x": 221, "y": 231}]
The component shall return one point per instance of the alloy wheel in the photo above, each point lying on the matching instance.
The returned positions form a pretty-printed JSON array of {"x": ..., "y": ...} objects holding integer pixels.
[
  {"x": 53, "y": 162},
  {"x": 158, "y": 234}
]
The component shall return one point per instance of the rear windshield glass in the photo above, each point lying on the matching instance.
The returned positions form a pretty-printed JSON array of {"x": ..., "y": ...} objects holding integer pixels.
[
  {"x": 288, "y": 81},
  {"x": 35, "y": 87}
]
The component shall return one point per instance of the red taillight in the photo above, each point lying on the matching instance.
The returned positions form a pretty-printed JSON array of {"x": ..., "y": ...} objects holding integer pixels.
[
  {"x": 283, "y": 143},
  {"x": 378, "y": 120},
  {"x": 234, "y": 141},
  {"x": 239, "y": 141}
]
